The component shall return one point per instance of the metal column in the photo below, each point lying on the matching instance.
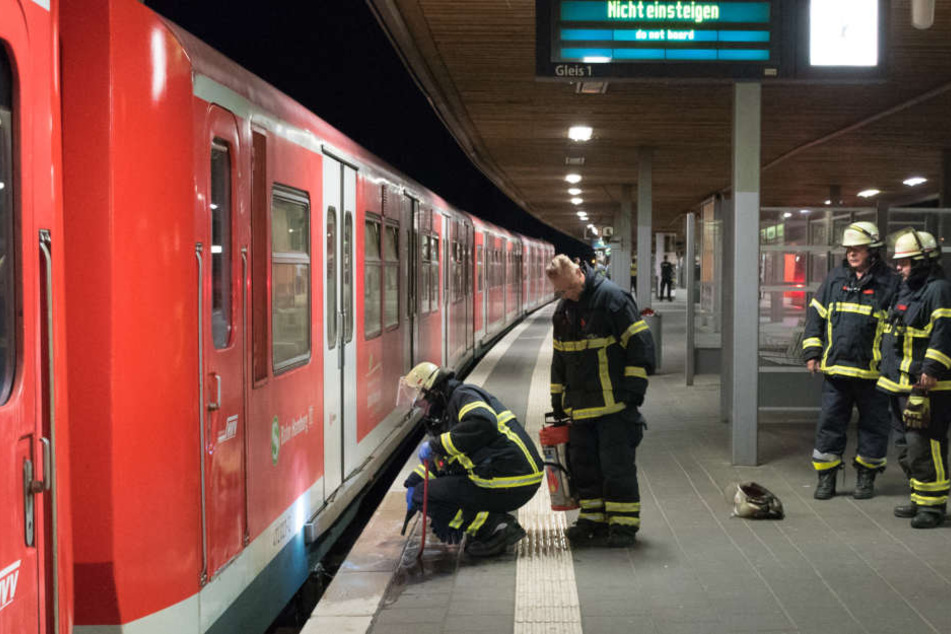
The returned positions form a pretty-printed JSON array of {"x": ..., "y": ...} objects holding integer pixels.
[
  {"x": 690, "y": 283},
  {"x": 621, "y": 251},
  {"x": 645, "y": 214},
  {"x": 745, "y": 340}
]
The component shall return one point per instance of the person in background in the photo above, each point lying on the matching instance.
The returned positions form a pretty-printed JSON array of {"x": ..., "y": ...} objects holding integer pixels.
[
  {"x": 916, "y": 359},
  {"x": 603, "y": 353},
  {"x": 484, "y": 464},
  {"x": 666, "y": 279},
  {"x": 844, "y": 323}
]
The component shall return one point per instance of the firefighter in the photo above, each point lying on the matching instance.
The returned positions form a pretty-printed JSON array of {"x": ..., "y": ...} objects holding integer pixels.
[
  {"x": 484, "y": 465},
  {"x": 841, "y": 340},
  {"x": 603, "y": 353},
  {"x": 916, "y": 358}
]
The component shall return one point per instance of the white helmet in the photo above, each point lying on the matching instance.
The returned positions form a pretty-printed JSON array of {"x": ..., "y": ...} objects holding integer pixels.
[
  {"x": 861, "y": 234},
  {"x": 417, "y": 381},
  {"x": 917, "y": 245}
]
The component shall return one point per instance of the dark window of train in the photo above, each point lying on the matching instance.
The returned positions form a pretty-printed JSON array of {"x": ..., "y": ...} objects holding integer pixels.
[
  {"x": 347, "y": 263},
  {"x": 220, "y": 243},
  {"x": 424, "y": 276},
  {"x": 434, "y": 274},
  {"x": 391, "y": 263},
  {"x": 457, "y": 281},
  {"x": 8, "y": 322},
  {"x": 290, "y": 278},
  {"x": 479, "y": 268},
  {"x": 259, "y": 258},
  {"x": 371, "y": 278},
  {"x": 331, "y": 292}
]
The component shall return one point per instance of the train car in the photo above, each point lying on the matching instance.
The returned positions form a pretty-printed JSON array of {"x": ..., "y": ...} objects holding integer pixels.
[
  {"x": 35, "y": 550},
  {"x": 245, "y": 285}
]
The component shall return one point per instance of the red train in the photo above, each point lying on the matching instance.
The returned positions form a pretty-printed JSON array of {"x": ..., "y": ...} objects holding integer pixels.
[{"x": 208, "y": 295}]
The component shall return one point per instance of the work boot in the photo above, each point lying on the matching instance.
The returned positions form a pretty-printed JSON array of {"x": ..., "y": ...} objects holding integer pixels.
[
  {"x": 826, "y": 487},
  {"x": 864, "y": 482},
  {"x": 505, "y": 534},
  {"x": 928, "y": 517},
  {"x": 587, "y": 533},
  {"x": 906, "y": 510},
  {"x": 621, "y": 536}
]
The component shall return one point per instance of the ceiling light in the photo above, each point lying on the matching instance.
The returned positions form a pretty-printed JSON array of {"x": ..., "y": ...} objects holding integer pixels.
[
  {"x": 577, "y": 201},
  {"x": 828, "y": 202},
  {"x": 574, "y": 191},
  {"x": 868, "y": 193},
  {"x": 803, "y": 211},
  {"x": 580, "y": 133},
  {"x": 591, "y": 87},
  {"x": 574, "y": 160},
  {"x": 788, "y": 214},
  {"x": 914, "y": 181},
  {"x": 582, "y": 213},
  {"x": 574, "y": 179}
]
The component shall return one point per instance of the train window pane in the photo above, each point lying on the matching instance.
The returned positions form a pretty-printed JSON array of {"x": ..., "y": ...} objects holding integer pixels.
[
  {"x": 371, "y": 233},
  {"x": 348, "y": 277},
  {"x": 290, "y": 278},
  {"x": 220, "y": 243},
  {"x": 391, "y": 244},
  {"x": 8, "y": 323},
  {"x": 479, "y": 268},
  {"x": 391, "y": 303},
  {"x": 331, "y": 293},
  {"x": 434, "y": 286},
  {"x": 371, "y": 300}
]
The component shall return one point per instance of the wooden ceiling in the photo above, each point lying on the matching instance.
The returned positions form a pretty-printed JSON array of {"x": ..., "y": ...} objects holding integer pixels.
[{"x": 475, "y": 60}]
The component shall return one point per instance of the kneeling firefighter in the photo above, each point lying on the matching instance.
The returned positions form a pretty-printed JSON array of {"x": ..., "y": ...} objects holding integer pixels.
[
  {"x": 916, "y": 372},
  {"x": 485, "y": 465}
]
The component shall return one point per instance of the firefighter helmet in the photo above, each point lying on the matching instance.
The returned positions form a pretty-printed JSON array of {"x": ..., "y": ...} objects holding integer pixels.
[
  {"x": 917, "y": 245},
  {"x": 861, "y": 234},
  {"x": 417, "y": 382}
]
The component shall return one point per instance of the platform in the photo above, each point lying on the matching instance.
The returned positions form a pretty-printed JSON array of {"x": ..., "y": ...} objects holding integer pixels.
[{"x": 833, "y": 566}]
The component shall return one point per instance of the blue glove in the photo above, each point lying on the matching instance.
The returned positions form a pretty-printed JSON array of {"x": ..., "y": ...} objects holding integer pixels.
[
  {"x": 410, "y": 505},
  {"x": 426, "y": 452}
]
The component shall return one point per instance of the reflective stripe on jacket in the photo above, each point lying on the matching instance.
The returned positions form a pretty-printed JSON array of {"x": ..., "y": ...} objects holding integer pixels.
[
  {"x": 603, "y": 351},
  {"x": 917, "y": 337},
  {"x": 845, "y": 321}
]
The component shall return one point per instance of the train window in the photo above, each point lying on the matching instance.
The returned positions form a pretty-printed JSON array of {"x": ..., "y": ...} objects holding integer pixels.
[
  {"x": 348, "y": 277},
  {"x": 424, "y": 276},
  {"x": 391, "y": 291},
  {"x": 434, "y": 274},
  {"x": 220, "y": 243},
  {"x": 290, "y": 277},
  {"x": 371, "y": 278},
  {"x": 331, "y": 293},
  {"x": 8, "y": 321},
  {"x": 479, "y": 268}
]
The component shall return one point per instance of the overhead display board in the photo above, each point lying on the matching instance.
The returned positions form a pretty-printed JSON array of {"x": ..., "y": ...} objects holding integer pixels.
[{"x": 689, "y": 39}]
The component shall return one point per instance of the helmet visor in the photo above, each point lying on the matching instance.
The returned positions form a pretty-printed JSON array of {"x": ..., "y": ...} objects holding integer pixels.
[{"x": 409, "y": 396}]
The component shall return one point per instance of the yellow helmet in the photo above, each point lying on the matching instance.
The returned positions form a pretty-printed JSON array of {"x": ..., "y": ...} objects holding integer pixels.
[
  {"x": 917, "y": 245},
  {"x": 861, "y": 233},
  {"x": 417, "y": 381}
]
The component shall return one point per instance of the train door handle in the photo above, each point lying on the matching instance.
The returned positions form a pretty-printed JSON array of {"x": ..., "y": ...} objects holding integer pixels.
[
  {"x": 39, "y": 486},
  {"x": 216, "y": 405}
]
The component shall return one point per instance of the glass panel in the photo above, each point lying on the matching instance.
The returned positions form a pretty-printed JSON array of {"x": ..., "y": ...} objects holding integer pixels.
[
  {"x": 434, "y": 286},
  {"x": 348, "y": 278},
  {"x": 479, "y": 267},
  {"x": 8, "y": 322},
  {"x": 424, "y": 289},
  {"x": 331, "y": 316},
  {"x": 290, "y": 278},
  {"x": 371, "y": 232},
  {"x": 220, "y": 243},
  {"x": 371, "y": 300},
  {"x": 391, "y": 301},
  {"x": 391, "y": 244}
]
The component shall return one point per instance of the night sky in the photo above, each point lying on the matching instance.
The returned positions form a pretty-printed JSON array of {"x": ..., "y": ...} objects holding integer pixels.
[{"x": 333, "y": 57}]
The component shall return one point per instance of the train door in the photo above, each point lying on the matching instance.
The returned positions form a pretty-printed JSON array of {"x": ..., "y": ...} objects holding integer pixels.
[
  {"x": 222, "y": 251},
  {"x": 445, "y": 266},
  {"x": 409, "y": 271},
  {"x": 340, "y": 367},
  {"x": 468, "y": 252},
  {"x": 25, "y": 465}
]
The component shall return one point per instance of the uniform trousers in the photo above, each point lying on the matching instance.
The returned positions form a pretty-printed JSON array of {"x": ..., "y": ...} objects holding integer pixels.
[
  {"x": 839, "y": 396},
  {"x": 456, "y": 503},
  {"x": 923, "y": 453}
]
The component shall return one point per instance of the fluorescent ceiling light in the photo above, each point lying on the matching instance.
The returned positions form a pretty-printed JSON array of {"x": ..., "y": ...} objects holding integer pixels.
[
  {"x": 577, "y": 201},
  {"x": 803, "y": 211},
  {"x": 788, "y": 214},
  {"x": 868, "y": 193},
  {"x": 580, "y": 133},
  {"x": 582, "y": 213},
  {"x": 843, "y": 32},
  {"x": 574, "y": 179},
  {"x": 914, "y": 181},
  {"x": 574, "y": 191},
  {"x": 828, "y": 202}
]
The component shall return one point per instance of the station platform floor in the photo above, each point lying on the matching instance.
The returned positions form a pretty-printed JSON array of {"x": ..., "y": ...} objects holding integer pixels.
[{"x": 840, "y": 565}]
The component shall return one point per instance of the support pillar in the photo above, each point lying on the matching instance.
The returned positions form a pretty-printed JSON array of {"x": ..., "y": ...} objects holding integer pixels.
[
  {"x": 746, "y": 208},
  {"x": 621, "y": 250},
  {"x": 690, "y": 282},
  {"x": 645, "y": 215},
  {"x": 945, "y": 192}
]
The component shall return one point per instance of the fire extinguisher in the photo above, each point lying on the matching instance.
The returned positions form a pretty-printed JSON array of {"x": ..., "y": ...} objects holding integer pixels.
[{"x": 554, "y": 440}]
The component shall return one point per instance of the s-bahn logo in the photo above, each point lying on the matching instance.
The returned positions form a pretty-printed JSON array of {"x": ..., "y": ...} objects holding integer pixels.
[
  {"x": 275, "y": 440},
  {"x": 8, "y": 583}
]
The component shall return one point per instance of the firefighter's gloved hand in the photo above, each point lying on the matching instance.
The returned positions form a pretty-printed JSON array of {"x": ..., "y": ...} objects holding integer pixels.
[
  {"x": 448, "y": 535},
  {"x": 426, "y": 452},
  {"x": 917, "y": 414},
  {"x": 410, "y": 504},
  {"x": 556, "y": 407}
]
